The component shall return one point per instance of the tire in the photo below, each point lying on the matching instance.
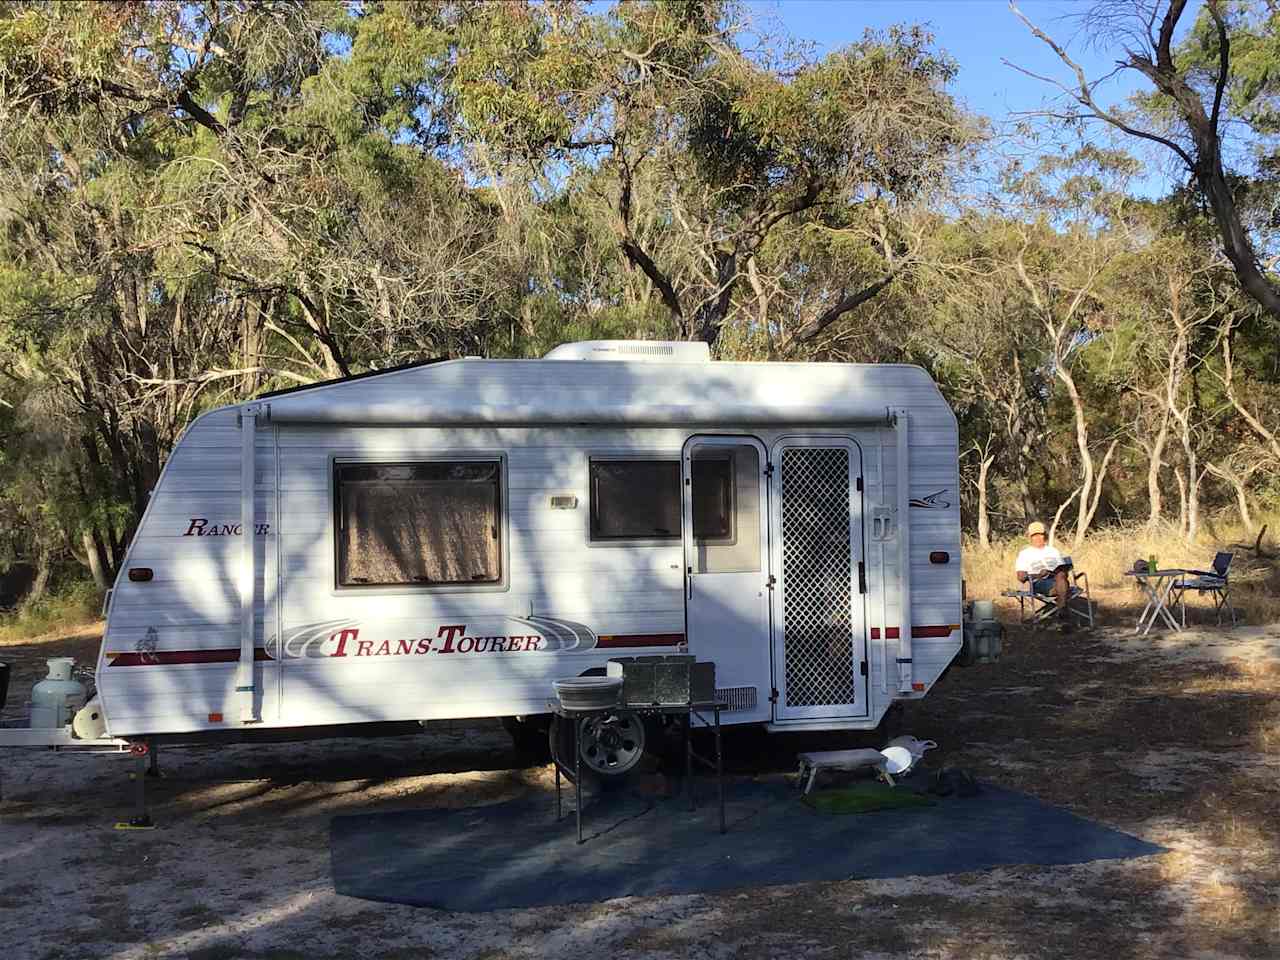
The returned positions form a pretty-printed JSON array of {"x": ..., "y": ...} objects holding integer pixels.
[{"x": 529, "y": 737}]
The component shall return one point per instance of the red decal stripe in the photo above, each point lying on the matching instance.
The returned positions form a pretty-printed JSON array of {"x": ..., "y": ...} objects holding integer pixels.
[
  {"x": 942, "y": 630},
  {"x": 167, "y": 657},
  {"x": 610, "y": 642},
  {"x": 893, "y": 633}
]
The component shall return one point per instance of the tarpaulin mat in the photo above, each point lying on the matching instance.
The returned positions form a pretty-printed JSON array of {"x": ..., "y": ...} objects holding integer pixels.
[{"x": 516, "y": 854}]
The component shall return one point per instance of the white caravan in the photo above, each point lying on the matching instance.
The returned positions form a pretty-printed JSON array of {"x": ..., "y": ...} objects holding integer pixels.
[{"x": 445, "y": 540}]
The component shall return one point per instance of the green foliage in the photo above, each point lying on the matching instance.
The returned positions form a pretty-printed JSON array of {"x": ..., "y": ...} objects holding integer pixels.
[
  {"x": 74, "y": 605},
  {"x": 200, "y": 201}
]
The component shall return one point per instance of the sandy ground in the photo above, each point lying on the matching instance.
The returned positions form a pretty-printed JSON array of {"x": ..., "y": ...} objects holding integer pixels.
[{"x": 1174, "y": 739}]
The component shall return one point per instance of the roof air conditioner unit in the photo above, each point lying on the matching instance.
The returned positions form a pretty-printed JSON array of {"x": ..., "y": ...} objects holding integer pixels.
[{"x": 633, "y": 351}]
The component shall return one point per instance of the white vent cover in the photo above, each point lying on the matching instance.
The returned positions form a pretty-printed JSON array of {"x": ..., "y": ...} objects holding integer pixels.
[{"x": 633, "y": 351}]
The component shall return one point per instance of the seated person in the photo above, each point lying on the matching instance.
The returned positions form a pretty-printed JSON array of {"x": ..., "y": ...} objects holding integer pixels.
[{"x": 1044, "y": 568}]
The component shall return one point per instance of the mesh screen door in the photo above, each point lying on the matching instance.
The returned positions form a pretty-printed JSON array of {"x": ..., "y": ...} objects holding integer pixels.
[{"x": 819, "y": 526}]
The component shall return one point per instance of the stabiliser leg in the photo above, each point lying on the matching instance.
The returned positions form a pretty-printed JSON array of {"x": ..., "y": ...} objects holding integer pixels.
[{"x": 140, "y": 820}]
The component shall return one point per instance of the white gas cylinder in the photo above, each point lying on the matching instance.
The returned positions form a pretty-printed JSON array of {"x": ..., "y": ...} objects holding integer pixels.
[{"x": 56, "y": 698}]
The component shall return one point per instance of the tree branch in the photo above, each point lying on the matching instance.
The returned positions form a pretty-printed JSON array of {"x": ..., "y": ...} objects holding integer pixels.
[
  {"x": 1084, "y": 95},
  {"x": 819, "y": 323}
]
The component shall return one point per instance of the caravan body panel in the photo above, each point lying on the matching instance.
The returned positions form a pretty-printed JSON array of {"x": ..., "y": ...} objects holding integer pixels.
[{"x": 552, "y": 601}]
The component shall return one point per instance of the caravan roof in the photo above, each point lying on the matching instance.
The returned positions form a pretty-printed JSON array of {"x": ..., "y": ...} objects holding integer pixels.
[{"x": 650, "y": 391}]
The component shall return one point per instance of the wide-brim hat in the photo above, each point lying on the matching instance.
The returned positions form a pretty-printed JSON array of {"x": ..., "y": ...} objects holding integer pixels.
[{"x": 1035, "y": 527}]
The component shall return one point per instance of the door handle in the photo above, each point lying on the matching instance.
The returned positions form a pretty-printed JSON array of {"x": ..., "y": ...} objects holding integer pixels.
[{"x": 689, "y": 581}]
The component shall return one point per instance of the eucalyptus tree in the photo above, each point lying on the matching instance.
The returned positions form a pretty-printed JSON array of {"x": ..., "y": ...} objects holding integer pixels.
[
  {"x": 201, "y": 199},
  {"x": 1212, "y": 106},
  {"x": 718, "y": 155}
]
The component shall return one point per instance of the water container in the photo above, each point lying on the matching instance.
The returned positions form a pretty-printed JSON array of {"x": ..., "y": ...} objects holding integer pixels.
[
  {"x": 89, "y": 723},
  {"x": 56, "y": 698}
]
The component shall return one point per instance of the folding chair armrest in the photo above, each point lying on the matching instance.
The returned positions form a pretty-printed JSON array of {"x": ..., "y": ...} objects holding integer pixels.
[
  {"x": 1078, "y": 576},
  {"x": 1206, "y": 573}
]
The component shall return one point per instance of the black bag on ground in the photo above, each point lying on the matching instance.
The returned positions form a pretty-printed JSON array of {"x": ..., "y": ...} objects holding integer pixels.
[{"x": 952, "y": 780}]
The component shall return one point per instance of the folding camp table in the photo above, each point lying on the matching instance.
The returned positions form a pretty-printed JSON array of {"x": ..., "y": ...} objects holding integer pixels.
[
  {"x": 689, "y": 712},
  {"x": 1157, "y": 585}
]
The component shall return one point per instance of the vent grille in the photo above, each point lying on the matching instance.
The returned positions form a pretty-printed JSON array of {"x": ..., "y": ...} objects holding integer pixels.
[
  {"x": 649, "y": 350},
  {"x": 817, "y": 575},
  {"x": 737, "y": 698}
]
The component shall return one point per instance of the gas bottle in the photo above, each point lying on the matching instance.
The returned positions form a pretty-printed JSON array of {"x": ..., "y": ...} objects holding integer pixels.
[{"x": 56, "y": 698}]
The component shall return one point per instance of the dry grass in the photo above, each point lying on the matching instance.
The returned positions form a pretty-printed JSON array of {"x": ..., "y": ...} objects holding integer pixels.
[
  {"x": 62, "y": 612},
  {"x": 1107, "y": 554},
  {"x": 1172, "y": 739}
]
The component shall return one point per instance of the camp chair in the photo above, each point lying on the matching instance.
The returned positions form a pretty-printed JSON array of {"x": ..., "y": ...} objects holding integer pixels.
[
  {"x": 1036, "y": 608},
  {"x": 1213, "y": 582}
]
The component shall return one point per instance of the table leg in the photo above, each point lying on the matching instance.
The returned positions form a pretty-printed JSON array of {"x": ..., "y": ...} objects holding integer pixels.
[
  {"x": 1164, "y": 604},
  {"x": 1151, "y": 598},
  {"x": 577, "y": 773},
  {"x": 688, "y": 759},
  {"x": 720, "y": 768}
]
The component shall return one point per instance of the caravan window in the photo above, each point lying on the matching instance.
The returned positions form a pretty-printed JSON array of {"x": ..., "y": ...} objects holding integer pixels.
[
  {"x": 726, "y": 508},
  {"x": 713, "y": 500},
  {"x": 635, "y": 499},
  {"x": 426, "y": 523}
]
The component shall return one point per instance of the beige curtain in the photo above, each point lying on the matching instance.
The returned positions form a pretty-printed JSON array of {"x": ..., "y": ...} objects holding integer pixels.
[{"x": 414, "y": 532}]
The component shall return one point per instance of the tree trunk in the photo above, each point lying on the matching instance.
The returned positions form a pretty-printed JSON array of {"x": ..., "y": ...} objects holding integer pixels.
[
  {"x": 1088, "y": 499},
  {"x": 984, "y": 522},
  {"x": 1057, "y": 517},
  {"x": 40, "y": 585},
  {"x": 1182, "y": 500},
  {"x": 94, "y": 554},
  {"x": 1237, "y": 485},
  {"x": 1154, "y": 463},
  {"x": 1193, "y": 496}
]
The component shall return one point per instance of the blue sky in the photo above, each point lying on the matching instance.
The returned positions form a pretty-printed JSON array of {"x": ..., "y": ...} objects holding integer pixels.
[
  {"x": 977, "y": 33},
  {"x": 980, "y": 35}
]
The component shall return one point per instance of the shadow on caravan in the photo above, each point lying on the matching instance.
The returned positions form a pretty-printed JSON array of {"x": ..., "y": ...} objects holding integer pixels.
[{"x": 444, "y": 541}]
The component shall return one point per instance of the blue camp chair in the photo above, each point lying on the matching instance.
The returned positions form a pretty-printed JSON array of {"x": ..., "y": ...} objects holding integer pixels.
[
  {"x": 1213, "y": 582},
  {"x": 1037, "y": 608}
]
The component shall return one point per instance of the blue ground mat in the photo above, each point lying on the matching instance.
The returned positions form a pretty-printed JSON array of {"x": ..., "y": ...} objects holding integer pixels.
[{"x": 515, "y": 854}]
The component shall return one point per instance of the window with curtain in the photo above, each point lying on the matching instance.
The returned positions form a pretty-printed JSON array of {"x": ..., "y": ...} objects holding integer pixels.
[{"x": 418, "y": 524}]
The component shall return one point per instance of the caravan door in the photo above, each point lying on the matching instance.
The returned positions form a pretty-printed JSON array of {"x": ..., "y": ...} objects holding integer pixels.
[
  {"x": 726, "y": 554},
  {"x": 820, "y": 640}
]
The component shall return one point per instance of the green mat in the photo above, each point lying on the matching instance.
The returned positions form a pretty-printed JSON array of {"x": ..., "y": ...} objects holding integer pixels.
[{"x": 864, "y": 798}]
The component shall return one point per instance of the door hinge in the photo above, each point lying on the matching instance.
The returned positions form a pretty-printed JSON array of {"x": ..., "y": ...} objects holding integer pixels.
[
  {"x": 862, "y": 577},
  {"x": 768, "y": 469},
  {"x": 773, "y": 695},
  {"x": 770, "y": 582},
  {"x": 859, "y": 483},
  {"x": 862, "y": 668}
]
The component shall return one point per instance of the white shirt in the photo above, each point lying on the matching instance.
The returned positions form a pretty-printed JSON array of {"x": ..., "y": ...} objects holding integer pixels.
[{"x": 1037, "y": 561}]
